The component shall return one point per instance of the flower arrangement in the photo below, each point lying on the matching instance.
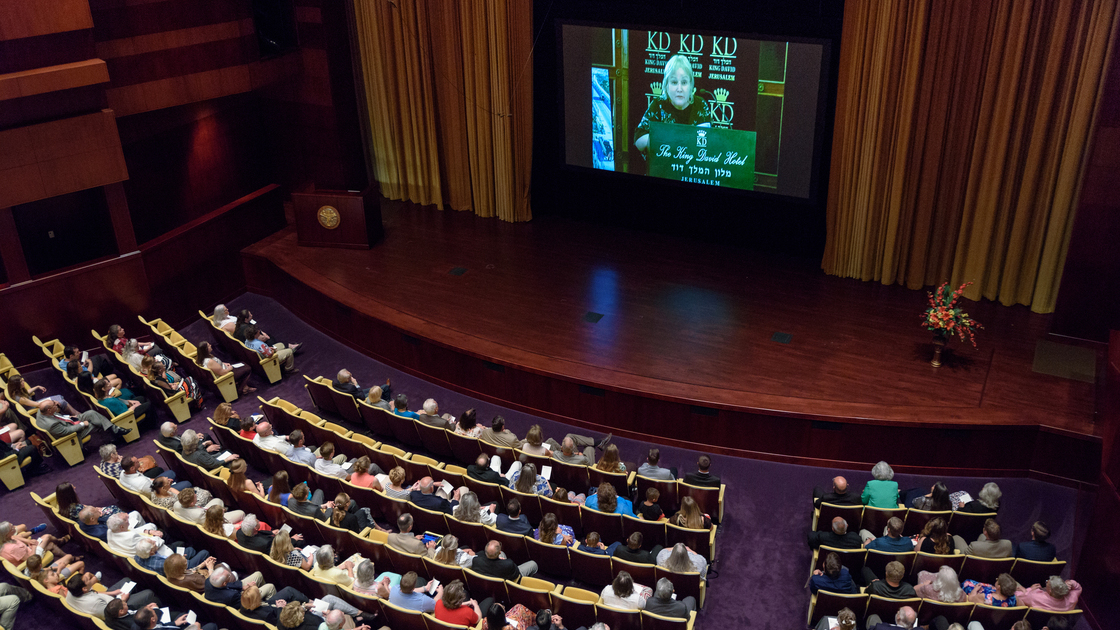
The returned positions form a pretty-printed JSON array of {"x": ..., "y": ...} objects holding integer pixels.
[{"x": 944, "y": 317}]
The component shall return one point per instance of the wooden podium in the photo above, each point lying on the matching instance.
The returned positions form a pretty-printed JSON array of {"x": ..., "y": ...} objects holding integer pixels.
[{"x": 338, "y": 218}]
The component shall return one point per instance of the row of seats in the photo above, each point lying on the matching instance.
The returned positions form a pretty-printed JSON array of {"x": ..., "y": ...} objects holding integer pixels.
[
  {"x": 286, "y": 417},
  {"x": 73, "y": 618},
  {"x": 827, "y": 604},
  {"x": 11, "y": 470},
  {"x": 967, "y": 567},
  {"x": 267, "y": 368},
  {"x": 967, "y": 525},
  {"x": 177, "y": 404}
]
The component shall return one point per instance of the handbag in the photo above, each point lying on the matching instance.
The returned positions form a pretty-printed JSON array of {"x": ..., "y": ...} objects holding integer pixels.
[
  {"x": 41, "y": 445},
  {"x": 146, "y": 462}
]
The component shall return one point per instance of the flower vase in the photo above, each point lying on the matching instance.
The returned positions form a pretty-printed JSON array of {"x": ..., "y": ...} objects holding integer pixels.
[{"x": 939, "y": 341}]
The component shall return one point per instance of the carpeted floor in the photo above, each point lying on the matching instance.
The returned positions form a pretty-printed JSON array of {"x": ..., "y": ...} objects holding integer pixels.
[{"x": 763, "y": 558}]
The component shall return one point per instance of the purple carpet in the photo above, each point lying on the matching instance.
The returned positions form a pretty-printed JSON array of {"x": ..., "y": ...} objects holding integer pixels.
[{"x": 763, "y": 558}]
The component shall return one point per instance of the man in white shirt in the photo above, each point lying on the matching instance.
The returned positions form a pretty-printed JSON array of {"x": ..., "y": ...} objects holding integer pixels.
[
  {"x": 328, "y": 464},
  {"x": 134, "y": 480},
  {"x": 185, "y": 506},
  {"x": 123, "y": 540},
  {"x": 84, "y": 599},
  {"x": 269, "y": 441}
]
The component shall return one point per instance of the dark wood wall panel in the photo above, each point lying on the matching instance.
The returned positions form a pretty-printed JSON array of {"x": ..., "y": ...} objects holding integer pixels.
[
  {"x": 1041, "y": 452},
  {"x": 39, "y": 108},
  {"x": 114, "y": 20},
  {"x": 172, "y": 62},
  {"x": 31, "y": 18},
  {"x": 46, "y": 50}
]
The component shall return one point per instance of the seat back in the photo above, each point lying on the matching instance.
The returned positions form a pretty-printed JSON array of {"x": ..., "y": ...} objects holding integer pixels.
[
  {"x": 956, "y": 612},
  {"x": 373, "y": 548},
  {"x": 319, "y": 390},
  {"x": 402, "y": 619},
  {"x": 472, "y": 535},
  {"x": 1039, "y": 618},
  {"x": 996, "y": 618},
  {"x": 375, "y": 419},
  {"x": 685, "y": 584},
  {"x": 513, "y": 545},
  {"x": 702, "y": 541},
  {"x": 567, "y": 513},
  {"x": 877, "y": 561},
  {"x": 985, "y": 569},
  {"x": 968, "y": 525},
  {"x": 570, "y": 476},
  {"x": 651, "y": 621},
  {"x": 487, "y": 492},
  {"x": 887, "y": 608},
  {"x": 445, "y": 573},
  {"x": 429, "y": 520},
  {"x": 620, "y": 481},
  {"x": 609, "y": 526},
  {"x": 551, "y": 559},
  {"x": 345, "y": 405},
  {"x": 435, "y": 441},
  {"x": 653, "y": 532},
  {"x": 482, "y": 586},
  {"x": 668, "y": 500},
  {"x": 404, "y": 429},
  {"x": 463, "y": 449},
  {"x": 575, "y": 605},
  {"x": 642, "y": 573},
  {"x": 493, "y": 450},
  {"x": 531, "y": 593},
  {"x": 828, "y": 604},
  {"x": 851, "y": 558},
  {"x": 530, "y": 503},
  {"x": 1029, "y": 572},
  {"x": 933, "y": 562},
  {"x": 594, "y": 569},
  {"x": 617, "y": 618},
  {"x": 875, "y": 519},
  {"x": 916, "y": 520},
  {"x": 431, "y": 623},
  {"x": 828, "y": 511}
]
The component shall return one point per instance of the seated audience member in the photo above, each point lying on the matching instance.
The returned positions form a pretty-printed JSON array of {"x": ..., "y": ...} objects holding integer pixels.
[
  {"x": 702, "y": 477},
  {"x": 248, "y": 428},
  {"x": 513, "y": 521},
  {"x": 469, "y": 511},
  {"x": 82, "y": 597},
  {"x": 51, "y": 580},
  {"x": 328, "y": 465},
  {"x": 299, "y": 451},
  {"x": 345, "y": 513},
  {"x": 905, "y": 619},
  {"x": 839, "y": 494},
  {"x": 633, "y": 551},
  {"x": 167, "y": 439},
  {"x": 937, "y": 500},
  {"x": 607, "y": 499},
  {"x": 680, "y": 559},
  {"x": 64, "y": 565},
  {"x": 690, "y": 515},
  {"x": 593, "y": 544},
  {"x": 365, "y": 474},
  {"x": 610, "y": 461},
  {"x": 449, "y": 553},
  {"x": 304, "y": 502},
  {"x": 23, "y": 449},
  {"x": 569, "y": 451},
  {"x": 147, "y": 555},
  {"x": 499, "y": 435},
  {"x": 60, "y": 426},
  {"x": 491, "y": 564},
  {"x": 1057, "y": 594},
  {"x": 204, "y": 458},
  {"x": 134, "y": 480},
  {"x": 396, "y": 488},
  {"x": 255, "y": 340},
  {"x": 325, "y": 568},
  {"x": 935, "y": 538},
  {"x": 431, "y": 416},
  {"x": 400, "y": 407},
  {"x": 269, "y": 441},
  {"x": 138, "y": 405},
  {"x": 892, "y": 586},
  {"x": 222, "y": 319},
  {"x": 468, "y": 424},
  {"x": 1037, "y": 548},
  {"x": 881, "y": 491},
  {"x": 407, "y": 596},
  {"x": 454, "y": 607},
  {"x": 94, "y": 365},
  {"x": 254, "y": 606},
  {"x": 90, "y": 523},
  {"x": 839, "y": 537},
  {"x": 989, "y": 545},
  {"x": 834, "y": 578},
  {"x": 66, "y": 498},
  {"x": 250, "y": 536},
  {"x": 204, "y": 357},
  {"x": 16, "y": 545},
  {"x": 187, "y": 506},
  {"x": 663, "y": 603},
  {"x": 367, "y": 582},
  {"x": 238, "y": 481},
  {"x": 561, "y": 495},
  {"x": 118, "y": 339},
  {"x": 172, "y": 383},
  {"x": 425, "y": 496},
  {"x": 224, "y": 587},
  {"x": 245, "y": 321},
  {"x": 551, "y": 531},
  {"x": 534, "y": 442},
  {"x": 295, "y": 617},
  {"x": 649, "y": 509},
  {"x": 987, "y": 501},
  {"x": 176, "y": 571},
  {"x": 284, "y": 552},
  {"x": 408, "y": 542},
  {"x": 214, "y": 522},
  {"x": 19, "y": 392},
  {"x": 845, "y": 620},
  {"x": 165, "y": 495},
  {"x": 376, "y": 398},
  {"x": 481, "y": 471},
  {"x": 943, "y": 586},
  {"x": 892, "y": 541},
  {"x": 122, "y": 537},
  {"x": 652, "y": 470},
  {"x": 226, "y": 416},
  {"x": 624, "y": 593},
  {"x": 1001, "y": 594},
  {"x": 347, "y": 384},
  {"x": 526, "y": 481}
]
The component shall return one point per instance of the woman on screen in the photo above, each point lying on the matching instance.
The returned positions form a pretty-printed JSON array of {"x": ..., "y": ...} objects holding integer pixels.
[{"x": 679, "y": 102}]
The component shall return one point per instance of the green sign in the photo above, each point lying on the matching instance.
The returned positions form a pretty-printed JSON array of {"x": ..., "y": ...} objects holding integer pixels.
[{"x": 702, "y": 155}]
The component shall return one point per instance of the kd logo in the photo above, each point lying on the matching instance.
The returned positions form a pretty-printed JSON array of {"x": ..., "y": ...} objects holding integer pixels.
[
  {"x": 723, "y": 112},
  {"x": 692, "y": 44},
  {"x": 701, "y": 138},
  {"x": 725, "y": 47},
  {"x": 657, "y": 41}
]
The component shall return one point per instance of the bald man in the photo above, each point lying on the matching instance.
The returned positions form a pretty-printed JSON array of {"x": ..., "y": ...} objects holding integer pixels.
[{"x": 839, "y": 494}]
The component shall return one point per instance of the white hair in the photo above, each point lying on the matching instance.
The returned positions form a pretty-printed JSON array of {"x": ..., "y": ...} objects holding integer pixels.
[
  {"x": 904, "y": 619},
  {"x": 189, "y": 441},
  {"x": 335, "y": 619},
  {"x": 990, "y": 495},
  {"x": 324, "y": 557},
  {"x": 118, "y": 522},
  {"x": 130, "y": 348},
  {"x": 218, "y": 576},
  {"x": 365, "y": 574},
  {"x": 250, "y": 525},
  {"x": 107, "y": 451},
  {"x": 167, "y": 429},
  {"x": 947, "y": 584},
  {"x": 5, "y": 531},
  {"x": 1058, "y": 586},
  {"x": 146, "y": 547},
  {"x": 430, "y": 407},
  {"x": 220, "y": 313},
  {"x": 882, "y": 471}
]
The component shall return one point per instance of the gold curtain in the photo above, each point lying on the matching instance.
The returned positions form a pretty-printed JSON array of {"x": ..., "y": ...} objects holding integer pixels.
[
  {"x": 962, "y": 131},
  {"x": 449, "y": 91}
]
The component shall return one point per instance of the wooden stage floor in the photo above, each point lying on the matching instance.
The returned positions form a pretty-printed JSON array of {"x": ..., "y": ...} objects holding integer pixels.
[{"x": 682, "y": 321}]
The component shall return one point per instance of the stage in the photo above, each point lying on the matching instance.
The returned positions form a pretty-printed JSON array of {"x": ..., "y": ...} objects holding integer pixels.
[{"x": 696, "y": 344}]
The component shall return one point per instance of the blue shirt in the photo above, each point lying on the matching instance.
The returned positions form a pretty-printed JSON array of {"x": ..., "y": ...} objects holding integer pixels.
[
  {"x": 256, "y": 344},
  {"x": 407, "y": 414},
  {"x": 891, "y": 545},
  {"x": 540, "y": 486},
  {"x": 624, "y": 505},
  {"x": 62, "y": 364},
  {"x": 841, "y": 584},
  {"x": 412, "y": 601},
  {"x": 152, "y": 563}
]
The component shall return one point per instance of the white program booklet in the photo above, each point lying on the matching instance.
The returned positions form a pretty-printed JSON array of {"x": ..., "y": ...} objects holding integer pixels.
[
  {"x": 286, "y": 528},
  {"x": 128, "y": 586},
  {"x": 85, "y": 356},
  {"x": 833, "y": 623},
  {"x": 181, "y": 551},
  {"x": 191, "y": 617},
  {"x": 320, "y": 606},
  {"x": 224, "y": 456},
  {"x": 348, "y": 465},
  {"x": 546, "y": 472},
  {"x": 166, "y": 617},
  {"x": 237, "y": 365}
]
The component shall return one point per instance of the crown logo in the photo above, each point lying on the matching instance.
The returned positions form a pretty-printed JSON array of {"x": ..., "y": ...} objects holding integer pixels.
[
  {"x": 702, "y": 133},
  {"x": 721, "y": 95},
  {"x": 656, "y": 87}
]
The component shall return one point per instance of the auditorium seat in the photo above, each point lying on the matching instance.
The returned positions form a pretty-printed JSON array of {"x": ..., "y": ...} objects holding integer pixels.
[
  {"x": 955, "y": 612},
  {"x": 375, "y": 419},
  {"x": 481, "y": 587},
  {"x": 68, "y": 446},
  {"x": 319, "y": 390},
  {"x": 873, "y": 520},
  {"x": 404, "y": 429},
  {"x": 1028, "y": 572},
  {"x": 434, "y": 440},
  {"x": 686, "y": 584},
  {"x": 702, "y": 541},
  {"x": 575, "y": 605},
  {"x": 373, "y": 547},
  {"x": 887, "y": 608},
  {"x": 487, "y": 492},
  {"x": 530, "y": 503},
  {"x": 399, "y": 618},
  {"x": 463, "y": 449},
  {"x": 620, "y": 481},
  {"x": 710, "y": 500},
  {"x": 967, "y": 525},
  {"x": 933, "y": 562},
  {"x": 224, "y": 385},
  {"x": 570, "y": 476},
  {"x": 609, "y": 526},
  {"x": 532, "y": 593},
  {"x": 513, "y": 545},
  {"x": 551, "y": 559},
  {"x": 823, "y": 515},
  {"x": 345, "y": 405},
  {"x": 916, "y": 520},
  {"x": 651, "y": 621},
  {"x": 645, "y": 574},
  {"x": 851, "y": 558},
  {"x": 877, "y": 561},
  {"x": 502, "y": 453},
  {"x": 431, "y": 623},
  {"x": 416, "y": 467},
  {"x": 428, "y": 520},
  {"x": 592, "y": 568},
  {"x": 445, "y": 573},
  {"x": 828, "y": 604},
  {"x": 985, "y": 569},
  {"x": 567, "y": 513},
  {"x": 996, "y": 618},
  {"x": 1039, "y": 617},
  {"x": 11, "y": 471},
  {"x": 668, "y": 500},
  {"x": 653, "y": 532},
  {"x": 472, "y": 535},
  {"x": 617, "y": 618}
]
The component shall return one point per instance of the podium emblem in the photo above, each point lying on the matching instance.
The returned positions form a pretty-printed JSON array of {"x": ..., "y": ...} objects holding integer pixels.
[{"x": 328, "y": 217}]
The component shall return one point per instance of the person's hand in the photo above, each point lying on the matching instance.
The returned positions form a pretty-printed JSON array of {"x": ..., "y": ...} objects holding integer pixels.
[
  {"x": 123, "y": 596},
  {"x": 213, "y": 448},
  {"x": 209, "y": 562},
  {"x": 567, "y": 540},
  {"x": 83, "y": 423},
  {"x": 233, "y": 457},
  {"x": 18, "y": 445},
  {"x": 470, "y": 552},
  {"x": 132, "y": 404},
  {"x": 245, "y": 583},
  {"x": 260, "y": 487},
  {"x": 558, "y": 621},
  {"x": 280, "y": 603},
  {"x": 455, "y": 495},
  {"x": 818, "y": 572},
  {"x": 298, "y": 537},
  {"x": 1036, "y": 586},
  {"x": 346, "y": 565},
  {"x": 431, "y": 544},
  {"x": 38, "y": 388},
  {"x": 181, "y": 620},
  {"x": 439, "y": 590},
  {"x": 493, "y": 508},
  {"x": 157, "y": 534},
  {"x": 328, "y": 504},
  {"x": 153, "y": 606}
]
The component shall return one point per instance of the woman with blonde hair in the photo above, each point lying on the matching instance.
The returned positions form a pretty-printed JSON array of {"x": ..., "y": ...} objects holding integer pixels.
[
  {"x": 177, "y": 572},
  {"x": 450, "y": 553},
  {"x": 690, "y": 515},
  {"x": 396, "y": 489},
  {"x": 469, "y": 511},
  {"x": 361, "y": 476},
  {"x": 610, "y": 461},
  {"x": 284, "y": 552},
  {"x": 227, "y": 416},
  {"x": 534, "y": 442},
  {"x": 678, "y": 102}
]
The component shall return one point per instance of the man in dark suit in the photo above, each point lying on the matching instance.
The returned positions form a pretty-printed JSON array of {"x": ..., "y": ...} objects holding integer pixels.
[
  {"x": 839, "y": 494},
  {"x": 702, "y": 477},
  {"x": 481, "y": 471},
  {"x": 662, "y": 602},
  {"x": 513, "y": 521},
  {"x": 1037, "y": 548},
  {"x": 169, "y": 440},
  {"x": 491, "y": 564},
  {"x": 430, "y": 416},
  {"x": 347, "y": 384},
  {"x": 632, "y": 551},
  {"x": 250, "y": 536},
  {"x": 300, "y": 504},
  {"x": 427, "y": 498},
  {"x": 89, "y": 519},
  {"x": 839, "y": 537},
  {"x": 904, "y": 619}
]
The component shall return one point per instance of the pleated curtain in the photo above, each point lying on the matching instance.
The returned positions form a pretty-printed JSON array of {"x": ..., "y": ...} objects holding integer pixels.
[
  {"x": 449, "y": 88},
  {"x": 961, "y": 137}
]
